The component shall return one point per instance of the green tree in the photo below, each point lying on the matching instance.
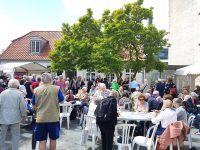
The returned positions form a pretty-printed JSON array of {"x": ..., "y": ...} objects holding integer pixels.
[
  {"x": 74, "y": 50},
  {"x": 135, "y": 46},
  {"x": 118, "y": 41}
]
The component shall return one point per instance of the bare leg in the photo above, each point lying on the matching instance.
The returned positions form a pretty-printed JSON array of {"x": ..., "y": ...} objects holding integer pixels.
[
  {"x": 42, "y": 145},
  {"x": 52, "y": 144}
]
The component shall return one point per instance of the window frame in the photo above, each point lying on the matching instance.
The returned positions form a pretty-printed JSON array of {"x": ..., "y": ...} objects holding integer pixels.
[{"x": 35, "y": 46}]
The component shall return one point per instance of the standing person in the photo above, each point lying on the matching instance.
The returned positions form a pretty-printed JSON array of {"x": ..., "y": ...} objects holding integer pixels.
[
  {"x": 61, "y": 83},
  {"x": 36, "y": 83},
  {"x": 22, "y": 88},
  {"x": 1, "y": 86},
  {"x": 170, "y": 87},
  {"x": 89, "y": 85},
  {"x": 197, "y": 91},
  {"x": 160, "y": 87},
  {"x": 114, "y": 85},
  {"x": 133, "y": 85},
  {"x": 32, "y": 112},
  {"x": 28, "y": 84},
  {"x": 73, "y": 85},
  {"x": 12, "y": 110},
  {"x": 107, "y": 127},
  {"x": 46, "y": 101},
  {"x": 78, "y": 83},
  {"x": 105, "y": 81},
  {"x": 125, "y": 85}
]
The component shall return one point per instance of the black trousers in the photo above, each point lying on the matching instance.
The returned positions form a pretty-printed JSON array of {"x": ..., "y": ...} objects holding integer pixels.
[
  {"x": 33, "y": 136},
  {"x": 107, "y": 133}
]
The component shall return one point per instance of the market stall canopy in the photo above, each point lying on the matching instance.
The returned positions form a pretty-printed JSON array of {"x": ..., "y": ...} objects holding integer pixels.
[
  {"x": 189, "y": 70},
  {"x": 22, "y": 67}
]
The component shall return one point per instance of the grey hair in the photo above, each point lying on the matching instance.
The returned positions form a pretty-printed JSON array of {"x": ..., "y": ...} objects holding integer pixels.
[
  {"x": 46, "y": 77},
  {"x": 13, "y": 83},
  {"x": 114, "y": 93},
  {"x": 102, "y": 86},
  {"x": 84, "y": 88}
]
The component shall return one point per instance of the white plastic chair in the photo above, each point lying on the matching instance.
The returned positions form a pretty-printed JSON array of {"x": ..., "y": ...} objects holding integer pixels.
[
  {"x": 127, "y": 105},
  {"x": 147, "y": 141},
  {"x": 89, "y": 129},
  {"x": 126, "y": 136},
  {"x": 67, "y": 108},
  {"x": 190, "y": 122}
]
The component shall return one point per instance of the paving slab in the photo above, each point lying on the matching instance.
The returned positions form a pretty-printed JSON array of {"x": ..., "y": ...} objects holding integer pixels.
[{"x": 70, "y": 139}]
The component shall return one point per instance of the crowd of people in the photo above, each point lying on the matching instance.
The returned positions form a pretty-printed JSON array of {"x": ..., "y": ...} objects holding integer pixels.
[{"x": 40, "y": 96}]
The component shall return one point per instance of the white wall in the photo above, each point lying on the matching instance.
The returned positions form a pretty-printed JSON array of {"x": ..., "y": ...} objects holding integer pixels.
[{"x": 184, "y": 28}]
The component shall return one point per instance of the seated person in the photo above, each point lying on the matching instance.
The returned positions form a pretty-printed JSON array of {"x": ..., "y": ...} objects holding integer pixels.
[
  {"x": 69, "y": 96},
  {"x": 83, "y": 97},
  {"x": 180, "y": 111},
  {"x": 191, "y": 104},
  {"x": 155, "y": 101},
  {"x": 92, "y": 90},
  {"x": 141, "y": 105},
  {"x": 166, "y": 117},
  {"x": 125, "y": 98}
]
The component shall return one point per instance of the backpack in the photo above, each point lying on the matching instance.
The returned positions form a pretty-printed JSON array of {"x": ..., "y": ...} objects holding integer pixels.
[{"x": 106, "y": 110}]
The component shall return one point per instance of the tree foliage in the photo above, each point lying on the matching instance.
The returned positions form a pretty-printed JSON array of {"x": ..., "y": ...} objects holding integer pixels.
[{"x": 119, "y": 40}]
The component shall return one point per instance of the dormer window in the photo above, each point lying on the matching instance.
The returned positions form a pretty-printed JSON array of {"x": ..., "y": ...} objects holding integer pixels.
[{"x": 35, "y": 46}]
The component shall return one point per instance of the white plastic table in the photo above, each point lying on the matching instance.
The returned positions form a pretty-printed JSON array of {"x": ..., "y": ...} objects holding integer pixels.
[{"x": 136, "y": 116}]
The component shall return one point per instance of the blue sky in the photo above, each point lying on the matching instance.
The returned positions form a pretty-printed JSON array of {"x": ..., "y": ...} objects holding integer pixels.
[{"x": 19, "y": 17}]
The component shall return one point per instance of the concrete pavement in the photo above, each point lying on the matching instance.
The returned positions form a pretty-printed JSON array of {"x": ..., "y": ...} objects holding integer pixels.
[{"x": 70, "y": 139}]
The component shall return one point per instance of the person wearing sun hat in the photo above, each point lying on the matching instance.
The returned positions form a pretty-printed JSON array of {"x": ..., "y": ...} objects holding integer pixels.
[
  {"x": 165, "y": 117},
  {"x": 181, "y": 112}
]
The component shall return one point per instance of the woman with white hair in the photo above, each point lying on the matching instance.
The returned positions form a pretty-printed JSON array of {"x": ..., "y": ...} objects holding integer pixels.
[
  {"x": 12, "y": 110},
  {"x": 165, "y": 117},
  {"x": 101, "y": 91}
]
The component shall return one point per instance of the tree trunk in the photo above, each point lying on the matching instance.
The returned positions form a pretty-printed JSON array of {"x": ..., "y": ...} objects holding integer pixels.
[{"x": 119, "y": 75}]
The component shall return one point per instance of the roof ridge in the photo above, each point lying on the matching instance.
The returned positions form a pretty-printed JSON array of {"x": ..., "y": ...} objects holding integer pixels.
[{"x": 30, "y": 33}]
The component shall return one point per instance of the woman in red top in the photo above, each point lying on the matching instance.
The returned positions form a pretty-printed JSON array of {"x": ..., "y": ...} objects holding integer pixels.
[{"x": 69, "y": 96}]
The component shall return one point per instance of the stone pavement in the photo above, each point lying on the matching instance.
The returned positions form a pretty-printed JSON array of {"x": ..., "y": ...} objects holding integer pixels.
[{"x": 70, "y": 139}]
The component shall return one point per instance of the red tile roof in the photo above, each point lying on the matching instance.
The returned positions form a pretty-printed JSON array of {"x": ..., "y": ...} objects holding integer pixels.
[{"x": 19, "y": 49}]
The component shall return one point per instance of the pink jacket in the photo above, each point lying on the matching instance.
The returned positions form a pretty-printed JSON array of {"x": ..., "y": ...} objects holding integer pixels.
[{"x": 177, "y": 130}]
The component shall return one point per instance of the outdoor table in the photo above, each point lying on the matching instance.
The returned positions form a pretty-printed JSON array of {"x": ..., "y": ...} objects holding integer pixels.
[
  {"x": 135, "y": 116},
  {"x": 77, "y": 103}
]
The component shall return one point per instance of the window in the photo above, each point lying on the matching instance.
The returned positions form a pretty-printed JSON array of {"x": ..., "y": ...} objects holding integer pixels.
[
  {"x": 35, "y": 46},
  {"x": 110, "y": 77},
  {"x": 129, "y": 74},
  {"x": 163, "y": 55},
  {"x": 90, "y": 74}
]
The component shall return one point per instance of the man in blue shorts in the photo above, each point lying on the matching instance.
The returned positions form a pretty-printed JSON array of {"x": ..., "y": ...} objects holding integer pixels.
[{"x": 46, "y": 101}]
